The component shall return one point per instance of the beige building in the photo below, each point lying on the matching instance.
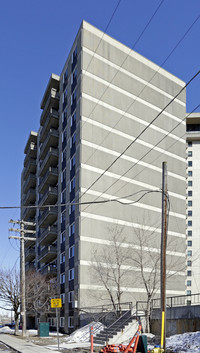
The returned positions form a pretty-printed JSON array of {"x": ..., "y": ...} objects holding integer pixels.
[
  {"x": 193, "y": 199},
  {"x": 103, "y": 99}
]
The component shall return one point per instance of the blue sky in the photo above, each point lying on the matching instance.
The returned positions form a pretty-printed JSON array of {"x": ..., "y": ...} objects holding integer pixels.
[{"x": 35, "y": 38}]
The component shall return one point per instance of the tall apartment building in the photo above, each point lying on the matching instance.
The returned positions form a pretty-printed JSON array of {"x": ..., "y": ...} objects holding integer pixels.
[
  {"x": 193, "y": 199},
  {"x": 104, "y": 97}
]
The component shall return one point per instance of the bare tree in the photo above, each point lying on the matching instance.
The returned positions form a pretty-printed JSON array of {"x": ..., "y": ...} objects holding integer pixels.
[
  {"x": 108, "y": 266},
  {"x": 39, "y": 290},
  {"x": 10, "y": 293}
]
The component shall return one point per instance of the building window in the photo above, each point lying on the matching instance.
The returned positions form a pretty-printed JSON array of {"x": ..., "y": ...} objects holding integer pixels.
[
  {"x": 62, "y": 237},
  {"x": 189, "y": 182},
  {"x": 189, "y": 213},
  {"x": 189, "y": 292},
  {"x": 63, "y": 216},
  {"x": 189, "y": 253},
  {"x": 189, "y": 223},
  {"x": 189, "y": 153},
  {"x": 189, "y": 163},
  {"x": 189, "y": 243},
  {"x": 71, "y": 296},
  {"x": 71, "y": 274},
  {"x": 189, "y": 173},
  {"x": 189, "y": 283},
  {"x": 189, "y": 192},
  {"x": 63, "y": 298},
  {"x": 73, "y": 119},
  {"x": 189, "y": 263},
  {"x": 71, "y": 252},
  {"x": 70, "y": 322},
  {"x": 72, "y": 229},
  {"x": 189, "y": 273},
  {"x": 62, "y": 321},
  {"x": 190, "y": 203},
  {"x": 189, "y": 143},
  {"x": 71, "y": 208},
  {"x": 72, "y": 185},
  {"x": 62, "y": 257},
  {"x": 72, "y": 162},
  {"x": 189, "y": 233},
  {"x": 62, "y": 278}
]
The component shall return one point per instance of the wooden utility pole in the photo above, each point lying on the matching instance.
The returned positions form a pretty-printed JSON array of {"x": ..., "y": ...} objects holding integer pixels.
[
  {"x": 22, "y": 239},
  {"x": 163, "y": 254}
]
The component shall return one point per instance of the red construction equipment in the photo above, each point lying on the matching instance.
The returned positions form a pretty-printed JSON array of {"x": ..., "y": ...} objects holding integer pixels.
[{"x": 116, "y": 348}]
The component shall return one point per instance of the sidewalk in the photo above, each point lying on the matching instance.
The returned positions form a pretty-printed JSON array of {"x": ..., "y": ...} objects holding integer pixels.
[{"x": 22, "y": 346}]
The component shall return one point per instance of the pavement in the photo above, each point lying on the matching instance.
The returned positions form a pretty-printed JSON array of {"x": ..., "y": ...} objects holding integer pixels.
[{"x": 22, "y": 345}]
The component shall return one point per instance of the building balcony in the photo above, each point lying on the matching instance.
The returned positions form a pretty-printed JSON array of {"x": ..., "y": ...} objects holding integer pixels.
[
  {"x": 49, "y": 197},
  {"x": 51, "y": 160},
  {"x": 30, "y": 168},
  {"x": 48, "y": 235},
  {"x": 30, "y": 254},
  {"x": 48, "y": 217},
  {"x": 51, "y": 102},
  {"x": 29, "y": 212},
  {"x": 51, "y": 122},
  {"x": 30, "y": 266},
  {"x": 31, "y": 153},
  {"x": 30, "y": 182},
  {"x": 50, "y": 178},
  {"x": 29, "y": 198},
  {"x": 49, "y": 270},
  {"x": 48, "y": 254},
  {"x": 51, "y": 140}
]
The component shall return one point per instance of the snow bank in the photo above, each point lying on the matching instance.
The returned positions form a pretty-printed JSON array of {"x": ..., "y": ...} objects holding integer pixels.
[
  {"x": 7, "y": 329},
  {"x": 83, "y": 334},
  {"x": 186, "y": 342}
]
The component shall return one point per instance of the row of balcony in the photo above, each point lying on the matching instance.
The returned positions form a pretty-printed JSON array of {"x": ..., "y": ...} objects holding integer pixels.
[
  {"x": 51, "y": 160},
  {"x": 48, "y": 254},
  {"x": 50, "y": 141},
  {"x": 52, "y": 121},
  {"x": 29, "y": 197},
  {"x": 48, "y": 235},
  {"x": 50, "y": 178},
  {"x": 52, "y": 102},
  {"x": 31, "y": 153},
  {"x": 49, "y": 197},
  {"x": 30, "y": 182},
  {"x": 30, "y": 168},
  {"x": 29, "y": 212},
  {"x": 48, "y": 217}
]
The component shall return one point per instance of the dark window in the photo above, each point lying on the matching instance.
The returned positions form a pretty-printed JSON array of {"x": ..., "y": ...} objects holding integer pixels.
[
  {"x": 189, "y": 233},
  {"x": 189, "y": 182},
  {"x": 189, "y": 213},
  {"x": 190, "y": 173},
  {"x": 189, "y": 143},
  {"x": 189, "y": 243},
  {"x": 189, "y": 153},
  {"x": 189, "y": 273},
  {"x": 189, "y": 223},
  {"x": 189, "y": 263},
  {"x": 189, "y": 253},
  {"x": 190, "y": 203},
  {"x": 189, "y": 283},
  {"x": 189, "y": 163},
  {"x": 189, "y": 192}
]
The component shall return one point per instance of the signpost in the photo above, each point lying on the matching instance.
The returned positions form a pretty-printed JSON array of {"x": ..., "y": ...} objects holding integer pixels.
[{"x": 56, "y": 303}]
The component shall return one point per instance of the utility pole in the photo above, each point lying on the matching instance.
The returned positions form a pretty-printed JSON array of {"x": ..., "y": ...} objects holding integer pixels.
[
  {"x": 163, "y": 255},
  {"x": 22, "y": 239}
]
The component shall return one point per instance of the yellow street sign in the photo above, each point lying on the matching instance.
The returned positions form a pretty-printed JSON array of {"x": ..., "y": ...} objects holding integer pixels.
[{"x": 56, "y": 303}]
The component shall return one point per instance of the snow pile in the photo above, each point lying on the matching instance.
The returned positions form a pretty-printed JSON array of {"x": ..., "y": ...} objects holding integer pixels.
[
  {"x": 7, "y": 329},
  {"x": 83, "y": 334},
  {"x": 186, "y": 342}
]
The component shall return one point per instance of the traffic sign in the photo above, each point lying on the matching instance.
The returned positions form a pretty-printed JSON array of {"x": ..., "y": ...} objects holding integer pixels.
[{"x": 56, "y": 303}]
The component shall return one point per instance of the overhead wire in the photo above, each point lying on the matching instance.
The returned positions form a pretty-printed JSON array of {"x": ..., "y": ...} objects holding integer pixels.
[
  {"x": 137, "y": 137},
  {"x": 162, "y": 64}
]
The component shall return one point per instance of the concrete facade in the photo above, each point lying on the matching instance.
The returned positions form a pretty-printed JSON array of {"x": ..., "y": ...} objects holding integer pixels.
[
  {"x": 193, "y": 199},
  {"x": 103, "y": 99}
]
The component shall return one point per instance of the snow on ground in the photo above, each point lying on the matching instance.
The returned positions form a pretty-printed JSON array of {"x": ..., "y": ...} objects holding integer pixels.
[
  {"x": 83, "y": 334},
  {"x": 185, "y": 343},
  {"x": 7, "y": 329}
]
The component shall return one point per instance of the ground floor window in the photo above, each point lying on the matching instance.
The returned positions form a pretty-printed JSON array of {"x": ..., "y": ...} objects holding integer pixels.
[
  {"x": 70, "y": 321},
  {"x": 62, "y": 321}
]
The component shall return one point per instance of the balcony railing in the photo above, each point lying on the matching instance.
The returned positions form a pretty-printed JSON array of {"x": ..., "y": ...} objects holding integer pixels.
[
  {"x": 52, "y": 121},
  {"x": 48, "y": 235},
  {"x": 30, "y": 168},
  {"x": 31, "y": 153},
  {"x": 29, "y": 212},
  {"x": 48, "y": 217},
  {"x": 49, "y": 270},
  {"x": 51, "y": 140},
  {"x": 49, "y": 197},
  {"x": 29, "y": 197},
  {"x": 52, "y": 102},
  {"x": 30, "y": 182},
  {"x": 48, "y": 253},
  {"x": 50, "y": 177},
  {"x": 51, "y": 160},
  {"x": 29, "y": 254}
]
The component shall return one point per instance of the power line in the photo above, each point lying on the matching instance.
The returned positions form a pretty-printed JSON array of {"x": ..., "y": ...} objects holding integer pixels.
[
  {"x": 139, "y": 135},
  {"x": 181, "y": 39},
  {"x": 145, "y": 156}
]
